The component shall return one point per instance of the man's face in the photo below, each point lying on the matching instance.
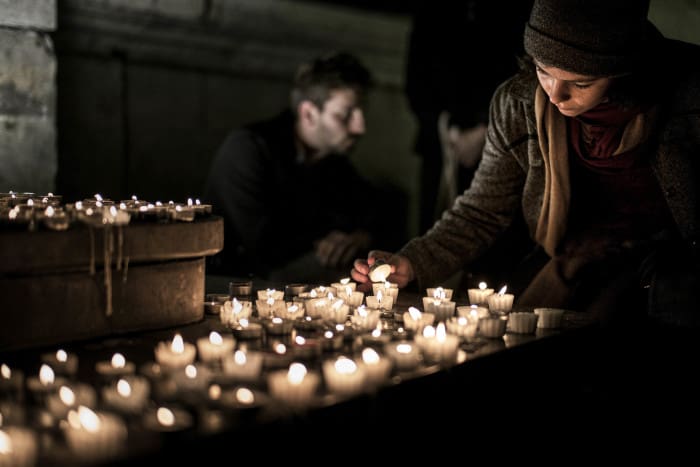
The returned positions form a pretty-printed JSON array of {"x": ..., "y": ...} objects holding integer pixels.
[{"x": 339, "y": 125}]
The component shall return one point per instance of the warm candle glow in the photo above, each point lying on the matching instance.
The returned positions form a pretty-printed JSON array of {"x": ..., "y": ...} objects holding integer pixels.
[
  {"x": 404, "y": 348},
  {"x": 296, "y": 373},
  {"x": 345, "y": 280},
  {"x": 5, "y": 371},
  {"x": 245, "y": 396},
  {"x": 439, "y": 293},
  {"x": 503, "y": 290},
  {"x": 300, "y": 340},
  {"x": 380, "y": 295},
  {"x": 5, "y": 443},
  {"x": 440, "y": 332},
  {"x": 85, "y": 419},
  {"x": 482, "y": 286},
  {"x": 328, "y": 334},
  {"x": 429, "y": 332},
  {"x": 369, "y": 355},
  {"x": 414, "y": 313},
  {"x": 178, "y": 345},
  {"x": 239, "y": 357},
  {"x": 191, "y": 371},
  {"x": 344, "y": 365},
  {"x": 214, "y": 392},
  {"x": 46, "y": 375},
  {"x": 165, "y": 416},
  {"x": 118, "y": 360},
  {"x": 123, "y": 388},
  {"x": 67, "y": 395},
  {"x": 61, "y": 356},
  {"x": 280, "y": 349},
  {"x": 215, "y": 338}
]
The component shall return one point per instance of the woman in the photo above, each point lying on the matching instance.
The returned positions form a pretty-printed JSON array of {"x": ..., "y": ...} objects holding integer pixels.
[{"x": 596, "y": 142}]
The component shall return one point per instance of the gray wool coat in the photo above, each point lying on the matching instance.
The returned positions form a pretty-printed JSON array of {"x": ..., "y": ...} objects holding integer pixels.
[{"x": 511, "y": 174}]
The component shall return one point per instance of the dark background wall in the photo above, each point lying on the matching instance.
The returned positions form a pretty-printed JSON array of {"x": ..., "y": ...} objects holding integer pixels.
[{"x": 132, "y": 97}]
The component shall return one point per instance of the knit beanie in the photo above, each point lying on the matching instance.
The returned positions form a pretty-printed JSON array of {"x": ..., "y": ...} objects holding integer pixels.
[{"x": 590, "y": 37}]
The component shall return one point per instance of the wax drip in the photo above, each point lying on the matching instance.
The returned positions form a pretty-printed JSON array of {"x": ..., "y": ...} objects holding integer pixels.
[
  {"x": 108, "y": 250},
  {"x": 120, "y": 244},
  {"x": 92, "y": 251}
]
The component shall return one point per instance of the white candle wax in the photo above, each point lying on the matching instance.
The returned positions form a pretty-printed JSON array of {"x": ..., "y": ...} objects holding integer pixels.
[
  {"x": 442, "y": 309},
  {"x": 415, "y": 320},
  {"x": 378, "y": 368},
  {"x": 436, "y": 345},
  {"x": 92, "y": 435},
  {"x": 128, "y": 395},
  {"x": 115, "y": 367},
  {"x": 175, "y": 354},
  {"x": 500, "y": 302},
  {"x": 404, "y": 354},
  {"x": 521, "y": 322},
  {"x": 479, "y": 296},
  {"x": 214, "y": 347}
]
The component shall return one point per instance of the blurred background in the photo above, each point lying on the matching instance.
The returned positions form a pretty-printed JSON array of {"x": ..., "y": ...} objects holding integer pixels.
[{"x": 133, "y": 97}]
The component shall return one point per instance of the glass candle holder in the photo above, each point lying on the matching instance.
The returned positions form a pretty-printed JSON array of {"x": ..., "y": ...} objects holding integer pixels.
[{"x": 240, "y": 289}]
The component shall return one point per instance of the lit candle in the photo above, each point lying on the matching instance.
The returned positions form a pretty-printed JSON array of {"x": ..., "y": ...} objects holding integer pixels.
[
  {"x": 167, "y": 419},
  {"x": 344, "y": 376},
  {"x": 128, "y": 395},
  {"x": 212, "y": 348},
  {"x": 116, "y": 367},
  {"x": 415, "y": 320},
  {"x": 269, "y": 307},
  {"x": 337, "y": 312},
  {"x": 277, "y": 326},
  {"x": 500, "y": 302},
  {"x": 270, "y": 293},
  {"x": 377, "y": 337},
  {"x": 69, "y": 397},
  {"x": 405, "y": 356},
  {"x": 175, "y": 354},
  {"x": 379, "y": 271},
  {"x": 62, "y": 362},
  {"x": 377, "y": 367},
  {"x": 389, "y": 289},
  {"x": 437, "y": 346},
  {"x": 11, "y": 382},
  {"x": 92, "y": 436},
  {"x": 306, "y": 349},
  {"x": 296, "y": 386},
  {"x": 364, "y": 319},
  {"x": 343, "y": 284},
  {"x": 18, "y": 447},
  {"x": 463, "y": 326},
  {"x": 479, "y": 296},
  {"x": 441, "y": 309},
  {"x": 292, "y": 311},
  {"x": 241, "y": 398},
  {"x": 43, "y": 384},
  {"x": 379, "y": 301},
  {"x": 247, "y": 330},
  {"x": 235, "y": 310},
  {"x": 278, "y": 357},
  {"x": 473, "y": 310},
  {"x": 243, "y": 366},
  {"x": 441, "y": 293},
  {"x": 353, "y": 298}
]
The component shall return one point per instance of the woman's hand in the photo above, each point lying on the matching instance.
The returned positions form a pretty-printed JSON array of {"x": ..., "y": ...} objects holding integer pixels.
[{"x": 401, "y": 269}]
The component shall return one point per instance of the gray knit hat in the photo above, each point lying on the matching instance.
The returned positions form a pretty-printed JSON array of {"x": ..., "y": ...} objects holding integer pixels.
[{"x": 590, "y": 37}]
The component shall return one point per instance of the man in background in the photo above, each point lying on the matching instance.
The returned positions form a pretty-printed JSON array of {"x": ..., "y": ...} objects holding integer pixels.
[{"x": 283, "y": 185}]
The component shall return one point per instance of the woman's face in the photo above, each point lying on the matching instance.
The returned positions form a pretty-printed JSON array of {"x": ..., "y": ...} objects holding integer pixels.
[{"x": 573, "y": 94}]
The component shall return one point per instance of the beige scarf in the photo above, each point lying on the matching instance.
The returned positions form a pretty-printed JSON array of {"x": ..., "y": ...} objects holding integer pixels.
[{"x": 553, "y": 141}]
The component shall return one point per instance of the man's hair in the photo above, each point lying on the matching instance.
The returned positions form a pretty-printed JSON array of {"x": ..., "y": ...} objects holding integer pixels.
[{"x": 315, "y": 80}]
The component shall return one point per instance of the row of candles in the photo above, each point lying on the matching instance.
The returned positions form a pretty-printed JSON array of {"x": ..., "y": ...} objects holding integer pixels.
[
  {"x": 28, "y": 210},
  {"x": 227, "y": 370}
]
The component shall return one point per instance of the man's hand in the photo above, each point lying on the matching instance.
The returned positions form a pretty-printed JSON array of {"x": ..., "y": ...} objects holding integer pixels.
[{"x": 401, "y": 269}]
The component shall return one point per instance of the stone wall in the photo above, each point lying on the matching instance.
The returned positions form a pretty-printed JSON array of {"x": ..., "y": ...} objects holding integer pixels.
[{"x": 27, "y": 96}]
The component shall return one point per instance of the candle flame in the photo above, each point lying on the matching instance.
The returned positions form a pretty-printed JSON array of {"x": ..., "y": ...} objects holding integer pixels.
[
  {"x": 380, "y": 295},
  {"x": 237, "y": 306},
  {"x": 280, "y": 349},
  {"x": 404, "y": 348},
  {"x": 243, "y": 322},
  {"x": 49, "y": 211},
  {"x": 245, "y": 396},
  {"x": 178, "y": 345},
  {"x": 5, "y": 443},
  {"x": 345, "y": 366},
  {"x": 429, "y": 332},
  {"x": 214, "y": 392},
  {"x": 328, "y": 334},
  {"x": 503, "y": 290},
  {"x": 300, "y": 340},
  {"x": 66, "y": 395},
  {"x": 340, "y": 327},
  {"x": 414, "y": 313},
  {"x": 270, "y": 301},
  {"x": 362, "y": 311},
  {"x": 313, "y": 293},
  {"x": 85, "y": 419},
  {"x": 5, "y": 371},
  {"x": 369, "y": 355},
  {"x": 297, "y": 372},
  {"x": 61, "y": 356},
  {"x": 118, "y": 360},
  {"x": 440, "y": 333},
  {"x": 439, "y": 293},
  {"x": 277, "y": 320},
  {"x": 240, "y": 357},
  {"x": 123, "y": 388},
  {"x": 462, "y": 320},
  {"x": 165, "y": 416},
  {"x": 482, "y": 285},
  {"x": 191, "y": 371},
  {"x": 215, "y": 338},
  {"x": 345, "y": 280},
  {"x": 46, "y": 375}
]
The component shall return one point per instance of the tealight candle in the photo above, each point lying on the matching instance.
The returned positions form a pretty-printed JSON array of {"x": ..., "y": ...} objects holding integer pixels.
[
  {"x": 242, "y": 365},
  {"x": 117, "y": 366},
  {"x": 175, "y": 354},
  {"x": 331, "y": 341},
  {"x": 379, "y": 301},
  {"x": 493, "y": 326},
  {"x": 415, "y": 320},
  {"x": 364, "y": 319},
  {"x": 337, "y": 312},
  {"x": 213, "y": 348},
  {"x": 11, "y": 382},
  {"x": 91, "y": 435},
  {"x": 306, "y": 349},
  {"x": 241, "y": 398},
  {"x": 191, "y": 379},
  {"x": 247, "y": 330},
  {"x": 379, "y": 271},
  {"x": 43, "y": 384},
  {"x": 18, "y": 447},
  {"x": 62, "y": 362},
  {"x": 479, "y": 296},
  {"x": 353, "y": 298},
  {"x": 295, "y": 386},
  {"x": 389, "y": 289},
  {"x": 441, "y": 309},
  {"x": 270, "y": 307},
  {"x": 278, "y": 357},
  {"x": 377, "y": 338},
  {"x": 344, "y": 376},
  {"x": 167, "y": 419},
  {"x": 463, "y": 326},
  {"x": 377, "y": 367},
  {"x": 500, "y": 302},
  {"x": 69, "y": 397},
  {"x": 549, "y": 318},
  {"x": 293, "y": 290},
  {"x": 522, "y": 322},
  {"x": 235, "y": 310},
  {"x": 239, "y": 289},
  {"x": 270, "y": 293},
  {"x": 473, "y": 310},
  {"x": 292, "y": 311},
  {"x": 128, "y": 395},
  {"x": 277, "y": 326},
  {"x": 441, "y": 293},
  {"x": 405, "y": 356},
  {"x": 438, "y": 346}
]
